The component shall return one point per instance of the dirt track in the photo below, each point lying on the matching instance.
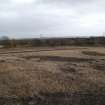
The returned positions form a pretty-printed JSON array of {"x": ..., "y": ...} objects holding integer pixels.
[{"x": 52, "y": 76}]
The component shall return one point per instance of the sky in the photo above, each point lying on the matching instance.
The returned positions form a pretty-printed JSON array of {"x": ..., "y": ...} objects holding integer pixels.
[{"x": 52, "y": 18}]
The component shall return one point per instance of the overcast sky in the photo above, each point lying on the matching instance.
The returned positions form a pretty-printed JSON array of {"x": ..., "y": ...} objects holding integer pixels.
[{"x": 30, "y": 18}]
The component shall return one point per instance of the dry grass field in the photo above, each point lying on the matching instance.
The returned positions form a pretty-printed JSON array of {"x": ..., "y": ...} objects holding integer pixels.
[{"x": 52, "y": 76}]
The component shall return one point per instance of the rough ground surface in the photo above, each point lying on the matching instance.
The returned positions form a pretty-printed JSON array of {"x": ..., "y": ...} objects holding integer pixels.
[{"x": 52, "y": 76}]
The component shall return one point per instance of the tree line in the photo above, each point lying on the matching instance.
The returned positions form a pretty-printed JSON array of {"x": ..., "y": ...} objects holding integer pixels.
[{"x": 35, "y": 42}]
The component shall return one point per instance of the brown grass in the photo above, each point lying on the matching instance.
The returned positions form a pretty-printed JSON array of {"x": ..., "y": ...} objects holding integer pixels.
[{"x": 49, "y": 78}]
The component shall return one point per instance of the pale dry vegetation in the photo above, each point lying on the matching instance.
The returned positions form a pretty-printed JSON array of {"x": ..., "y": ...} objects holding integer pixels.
[{"x": 56, "y": 77}]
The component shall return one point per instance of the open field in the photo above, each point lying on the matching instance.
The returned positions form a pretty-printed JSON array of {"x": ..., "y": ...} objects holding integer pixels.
[{"x": 52, "y": 76}]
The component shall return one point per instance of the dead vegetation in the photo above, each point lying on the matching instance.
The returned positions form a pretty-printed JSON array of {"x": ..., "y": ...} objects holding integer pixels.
[
  {"x": 99, "y": 65},
  {"x": 49, "y": 78}
]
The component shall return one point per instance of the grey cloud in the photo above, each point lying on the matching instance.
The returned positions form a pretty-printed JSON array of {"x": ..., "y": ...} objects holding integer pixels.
[{"x": 52, "y": 17}]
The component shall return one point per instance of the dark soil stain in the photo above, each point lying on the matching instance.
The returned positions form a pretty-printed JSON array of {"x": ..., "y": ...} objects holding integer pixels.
[
  {"x": 93, "y": 53},
  {"x": 59, "y": 58}
]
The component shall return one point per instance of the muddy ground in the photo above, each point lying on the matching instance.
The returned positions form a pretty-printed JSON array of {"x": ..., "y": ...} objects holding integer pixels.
[{"x": 52, "y": 76}]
